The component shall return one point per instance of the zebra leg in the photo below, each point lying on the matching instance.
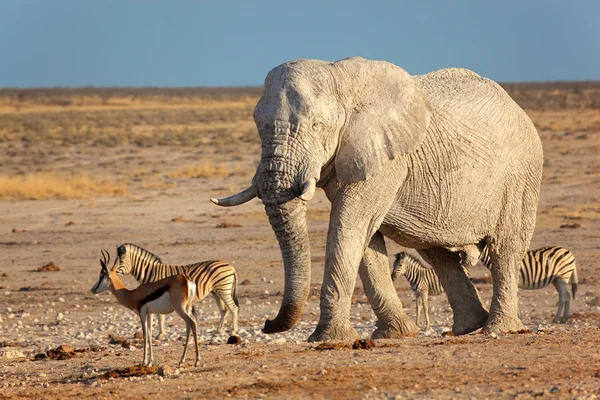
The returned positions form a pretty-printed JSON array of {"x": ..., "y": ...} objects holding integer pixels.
[
  {"x": 162, "y": 327},
  {"x": 418, "y": 297},
  {"x": 469, "y": 313},
  {"x": 222, "y": 309},
  {"x": 563, "y": 301},
  {"x": 374, "y": 271},
  {"x": 425, "y": 301}
]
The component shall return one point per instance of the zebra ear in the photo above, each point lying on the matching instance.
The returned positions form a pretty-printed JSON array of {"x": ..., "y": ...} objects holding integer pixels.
[{"x": 121, "y": 250}]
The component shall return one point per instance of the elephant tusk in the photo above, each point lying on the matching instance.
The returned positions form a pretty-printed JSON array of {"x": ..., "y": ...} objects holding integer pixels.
[
  {"x": 237, "y": 199},
  {"x": 308, "y": 191}
]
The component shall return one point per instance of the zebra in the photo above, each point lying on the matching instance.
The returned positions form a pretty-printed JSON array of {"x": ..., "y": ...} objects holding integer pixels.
[
  {"x": 218, "y": 278},
  {"x": 423, "y": 281},
  {"x": 540, "y": 267}
]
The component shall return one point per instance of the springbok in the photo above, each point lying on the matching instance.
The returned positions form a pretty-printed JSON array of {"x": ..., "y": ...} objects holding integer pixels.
[{"x": 175, "y": 293}]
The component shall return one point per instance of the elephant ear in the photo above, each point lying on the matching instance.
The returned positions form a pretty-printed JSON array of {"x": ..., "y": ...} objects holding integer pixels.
[{"x": 387, "y": 117}]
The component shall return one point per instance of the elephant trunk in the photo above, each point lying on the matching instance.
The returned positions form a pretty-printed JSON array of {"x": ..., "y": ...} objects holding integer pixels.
[{"x": 288, "y": 221}]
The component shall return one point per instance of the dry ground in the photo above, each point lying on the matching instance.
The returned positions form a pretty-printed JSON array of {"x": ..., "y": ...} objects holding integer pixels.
[{"x": 165, "y": 154}]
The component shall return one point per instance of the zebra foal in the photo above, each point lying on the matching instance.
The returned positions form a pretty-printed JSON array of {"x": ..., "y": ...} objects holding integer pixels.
[
  {"x": 423, "y": 281},
  {"x": 218, "y": 278},
  {"x": 544, "y": 266}
]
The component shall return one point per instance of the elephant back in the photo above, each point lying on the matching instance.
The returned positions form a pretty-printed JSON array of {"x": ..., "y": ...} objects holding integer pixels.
[{"x": 475, "y": 105}]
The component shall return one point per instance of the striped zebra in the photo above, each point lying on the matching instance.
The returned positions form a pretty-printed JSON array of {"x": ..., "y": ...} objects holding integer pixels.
[
  {"x": 215, "y": 277},
  {"x": 423, "y": 281},
  {"x": 542, "y": 267}
]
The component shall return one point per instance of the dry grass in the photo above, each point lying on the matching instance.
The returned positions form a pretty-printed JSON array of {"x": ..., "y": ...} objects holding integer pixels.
[
  {"x": 50, "y": 185},
  {"x": 199, "y": 171}
]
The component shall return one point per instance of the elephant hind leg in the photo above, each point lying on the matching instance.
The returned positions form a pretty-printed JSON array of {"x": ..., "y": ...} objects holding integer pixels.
[
  {"x": 469, "y": 313},
  {"x": 374, "y": 271},
  {"x": 508, "y": 246}
]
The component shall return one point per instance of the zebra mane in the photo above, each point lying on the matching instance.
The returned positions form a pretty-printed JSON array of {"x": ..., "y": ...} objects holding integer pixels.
[{"x": 133, "y": 249}]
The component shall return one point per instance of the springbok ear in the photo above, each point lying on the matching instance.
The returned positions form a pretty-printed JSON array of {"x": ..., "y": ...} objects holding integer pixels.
[{"x": 388, "y": 117}]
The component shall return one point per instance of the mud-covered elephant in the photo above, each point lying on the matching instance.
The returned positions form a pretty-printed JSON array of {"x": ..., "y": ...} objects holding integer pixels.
[{"x": 441, "y": 162}]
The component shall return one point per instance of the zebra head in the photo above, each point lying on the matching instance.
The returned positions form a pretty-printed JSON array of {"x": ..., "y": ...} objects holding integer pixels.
[
  {"x": 131, "y": 256},
  {"x": 400, "y": 265}
]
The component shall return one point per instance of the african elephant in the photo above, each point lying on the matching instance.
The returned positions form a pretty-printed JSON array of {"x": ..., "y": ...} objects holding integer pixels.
[{"x": 440, "y": 162}]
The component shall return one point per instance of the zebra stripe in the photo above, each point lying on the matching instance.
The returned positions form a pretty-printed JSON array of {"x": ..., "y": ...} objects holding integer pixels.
[
  {"x": 423, "y": 281},
  {"x": 541, "y": 267},
  {"x": 216, "y": 277}
]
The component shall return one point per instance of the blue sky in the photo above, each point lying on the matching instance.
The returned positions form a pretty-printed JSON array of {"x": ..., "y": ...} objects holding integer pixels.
[{"x": 231, "y": 43}]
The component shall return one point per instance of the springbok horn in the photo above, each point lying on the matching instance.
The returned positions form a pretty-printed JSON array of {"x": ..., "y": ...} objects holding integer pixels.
[
  {"x": 237, "y": 199},
  {"x": 309, "y": 189},
  {"x": 106, "y": 257}
]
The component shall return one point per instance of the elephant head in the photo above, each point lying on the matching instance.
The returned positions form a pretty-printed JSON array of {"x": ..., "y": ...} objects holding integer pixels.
[{"x": 350, "y": 116}]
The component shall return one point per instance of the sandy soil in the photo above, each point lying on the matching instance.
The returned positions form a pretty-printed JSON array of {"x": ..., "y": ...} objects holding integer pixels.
[{"x": 40, "y": 311}]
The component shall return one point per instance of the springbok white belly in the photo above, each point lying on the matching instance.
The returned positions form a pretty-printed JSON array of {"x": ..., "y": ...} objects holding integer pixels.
[{"x": 162, "y": 305}]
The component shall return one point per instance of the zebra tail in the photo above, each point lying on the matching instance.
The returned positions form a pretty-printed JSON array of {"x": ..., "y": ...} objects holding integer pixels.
[
  {"x": 234, "y": 290},
  {"x": 574, "y": 281}
]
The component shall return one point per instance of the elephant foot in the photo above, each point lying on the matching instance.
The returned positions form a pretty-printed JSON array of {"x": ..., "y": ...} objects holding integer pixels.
[
  {"x": 504, "y": 324},
  {"x": 468, "y": 322},
  {"x": 399, "y": 327},
  {"x": 325, "y": 333}
]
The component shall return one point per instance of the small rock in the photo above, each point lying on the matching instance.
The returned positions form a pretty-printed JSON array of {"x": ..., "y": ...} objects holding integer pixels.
[
  {"x": 246, "y": 282},
  {"x": 493, "y": 335},
  {"x": 234, "y": 340},
  {"x": 50, "y": 267},
  {"x": 11, "y": 354},
  {"x": 594, "y": 302},
  {"x": 574, "y": 225},
  {"x": 363, "y": 344},
  {"x": 322, "y": 372},
  {"x": 168, "y": 371}
]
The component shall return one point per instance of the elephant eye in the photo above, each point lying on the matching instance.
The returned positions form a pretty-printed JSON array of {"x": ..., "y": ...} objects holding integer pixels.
[{"x": 316, "y": 126}]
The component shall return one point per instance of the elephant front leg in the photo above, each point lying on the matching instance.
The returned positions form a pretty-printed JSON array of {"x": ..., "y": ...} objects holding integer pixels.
[
  {"x": 469, "y": 314},
  {"x": 344, "y": 252},
  {"x": 374, "y": 270}
]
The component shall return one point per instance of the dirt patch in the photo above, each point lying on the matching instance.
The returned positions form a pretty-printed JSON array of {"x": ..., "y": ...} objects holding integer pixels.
[
  {"x": 521, "y": 332},
  {"x": 586, "y": 316},
  {"x": 228, "y": 225},
  {"x": 364, "y": 344},
  {"x": 136, "y": 342},
  {"x": 65, "y": 352},
  {"x": 6, "y": 343},
  {"x": 574, "y": 225},
  {"x": 50, "y": 267},
  {"x": 136, "y": 370},
  {"x": 331, "y": 346}
]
